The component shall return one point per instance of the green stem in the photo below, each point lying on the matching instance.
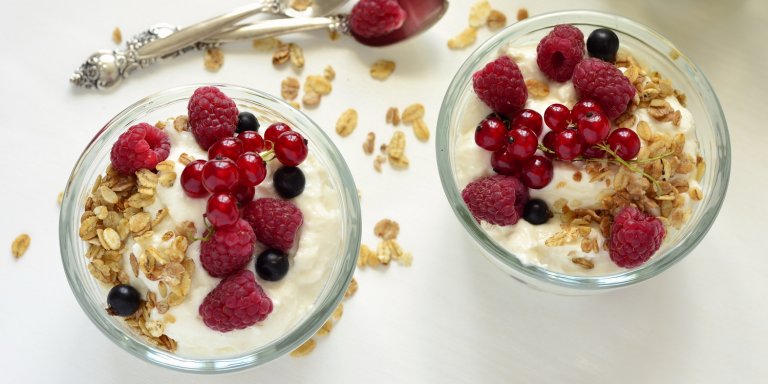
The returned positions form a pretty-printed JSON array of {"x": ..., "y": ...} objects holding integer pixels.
[
  {"x": 210, "y": 229},
  {"x": 622, "y": 161},
  {"x": 267, "y": 153}
]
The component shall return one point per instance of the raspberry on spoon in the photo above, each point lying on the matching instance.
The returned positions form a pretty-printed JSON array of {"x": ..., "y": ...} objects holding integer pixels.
[{"x": 376, "y": 18}]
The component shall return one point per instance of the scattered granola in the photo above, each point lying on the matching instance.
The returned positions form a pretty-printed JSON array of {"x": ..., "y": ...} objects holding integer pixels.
[
  {"x": 267, "y": 44},
  {"x": 369, "y": 143},
  {"x": 382, "y": 69},
  {"x": 347, "y": 122},
  {"x": 296, "y": 55},
  {"x": 181, "y": 123},
  {"x": 393, "y": 116},
  {"x": 60, "y": 198},
  {"x": 352, "y": 288},
  {"x": 420, "y": 129},
  {"x": 413, "y": 112},
  {"x": 496, "y": 19},
  {"x": 290, "y": 88},
  {"x": 463, "y": 39},
  {"x": 296, "y": 105},
  {"x": 117, "y": 36},
  {"x": 301, "y": 5},
  {"x": 387, "y": 229},
  {"x": 214, "y": 59},
  {"x": 282, "y": 55},
  {"x": 378, "y": 162},
  {"x": 318, "y": 84},
  {"x": 310, "y": 98},
  {"x": 329, "y": 73},
  {"x": 304, "y": 349},
  {"x": 522, "y": 14},
  {"x": 20, "y": 245},
  {"x": 537, "y": 88},
  {"x": 479, "y": 13}
]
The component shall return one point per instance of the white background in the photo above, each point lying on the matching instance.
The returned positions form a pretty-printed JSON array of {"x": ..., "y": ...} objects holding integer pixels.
[{"x": 451, "y": 317}]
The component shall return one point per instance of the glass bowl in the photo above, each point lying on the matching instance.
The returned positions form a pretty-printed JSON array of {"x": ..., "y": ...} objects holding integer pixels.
[
  {"x": 161, "y": 106},
  {"x": 654, "y": 51}
]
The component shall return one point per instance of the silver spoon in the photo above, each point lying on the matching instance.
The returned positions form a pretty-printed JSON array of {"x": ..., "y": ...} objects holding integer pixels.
[{"x": 106, "y": 69}]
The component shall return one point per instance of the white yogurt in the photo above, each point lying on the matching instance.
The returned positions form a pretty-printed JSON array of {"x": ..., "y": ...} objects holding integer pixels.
[{"x": 523, "y": 239}]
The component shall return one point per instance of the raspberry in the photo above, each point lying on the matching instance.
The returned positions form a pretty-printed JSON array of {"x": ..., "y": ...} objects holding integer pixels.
[
  {"x": 600, "y": 81},
  {"x": 274, "y": 221},
  {"x": 376, "y": 18},
  {"x": 559, "y": 52},
  {"x": 141, "y": 146},
  {"x": 497, "y": 199},
  {"x": 636, "y": 236},
  {"x": 236, "y": 303},
  {"x": 500, "y": 85},
  {"x": 212, "y": 115},
  {"x": 228, "y": 250}
]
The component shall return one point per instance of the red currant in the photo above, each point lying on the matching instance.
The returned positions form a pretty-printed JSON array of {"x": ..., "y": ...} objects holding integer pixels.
[
  {"x": 491, "y": 134},
  {"x": 252, "y": 141},
  {"x": 220, "y": 175},
  {"x": 592, "y": 152},
  {"x": 625, "y": 143},
  {"x": 291, "y": 148},
  {"x": 583, "y": 107},
  {"x": 530, "y": 119},
  {"x": 549, "y": 142},
  {"x": 253, "y": 169},
  {"x": 504, "y": 164},
  {"x": 504, "y": 119},
  {"x": 568, "y": 145},
  {"x": 522, "y": 143},
  {"x": 273, "y": 132},
  {"x": 594, "y": 127},
  {"x": 192, "y": 180},
  {"x": 557, "y": 117},
  {"x": 229, "y": 147},
  {"x": 222, "y": 210},
  {"x": 244, "y": 195},
  {"x": 537, "y": 172}
]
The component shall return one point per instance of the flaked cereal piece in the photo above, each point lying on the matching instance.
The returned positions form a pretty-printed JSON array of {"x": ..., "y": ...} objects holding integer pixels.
[
  {"x": 463, "y": 39},
  {"x": 413, "y": 112},
  {"x": 178, "y": 249},
  {"x": 296, "y": 105},
  {"x": 399, "y": 162},
  {"x": 681, "y": 98},
  {"x": 369, "y": 143},
  {"x": 378, "y": 162},
  {"x": 396, "y": 249},
  {"x": 325, "y": 329},
  {"x": 522, "y": 14},
  {"x": 152, "y": 252},
  {"x": 267, "y": 44},
  {"x": 382, "y": 69},
  {"x": 537, "y": 88},
  {"x": 384, "y": 252},
  {"x": 626, "y": 120},
  {"x": 338, "y": 312},
  {"x": 60, "y": 198},
  {"x": 582, "y": 262},
  {"x": 172, "y": 273},
  {"x": 301, "y": 5},
  {"x": 310, "y": 98},
  {"x": 186, "y": 229},
  {"x": 496, "y": 19},
  {"x": 396, "y": 145},
  {"x": 160, "y": 125},
  {"x": 110, "y": 237},
  {"x": 407, "y": 259},
  {"x": 169, "y": 319},
  {"x": 214, "y": 59},
  {"x": 167, "y": 179},
  {"x": 165, "y": 166},
  {"x": 387, "y": 229},
  {"x": 181, "y": 123},
  {"x": 644, "y": 130},
  {"x": 696, "y": 194},
  {"x": 290, "y": 88},
  {"x": 365, "y": 252},
  {"x": 393, "y": 116},
  {"x": 420, "y": 129},
  {"x": 20, "y": 245},
  {"x": 304, "y": 349},
  {"x": 95, "y": 251},
  {"x": 117, "y": 36},
  {"x": 318, "y": 84},
  {"x": 352, "y": 288},
  {"x": 101, "y": 212},
  {"x": 333, "y": 34},
  {"x": 676, "y": 118},
  {"x": 162, "y": 289},
  {"x": 108, "y": 195},
  {"x": 189, "y": 265},
  {"x": 347, "y": 122},
  {"x": 175, "y": 299},
  {"x": 633, "y": 74},
  {"x": 282, "y": 55},
  {"x": 329, "y": 73},
  {"x": 135, "y": 265},
  {"x": 140, "y": 222},
  {"x": 660, "y": 113},
  {"x": 700, "y": 168},
  {"x": 577, "y": 176},
  {"x": 479, "y": 13},
  {"x": 296, "y": 55}
]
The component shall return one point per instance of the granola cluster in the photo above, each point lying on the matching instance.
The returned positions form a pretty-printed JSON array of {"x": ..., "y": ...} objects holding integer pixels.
[{"x": 480, "y": 14}]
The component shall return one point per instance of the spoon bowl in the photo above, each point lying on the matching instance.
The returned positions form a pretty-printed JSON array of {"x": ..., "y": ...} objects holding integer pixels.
[
  {"x": 422, "y": 15},
  {"x": 318, "y": 8}
]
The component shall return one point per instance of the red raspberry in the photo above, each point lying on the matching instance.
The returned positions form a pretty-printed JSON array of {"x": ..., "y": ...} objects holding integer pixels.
[
  {"x": 636, "y": 236},
  {"x": 141, "y": 146},
  {"x": 559, "y": 52},
  {"x": 228, "y": 250},
  {"x": 236, "y": 303},
  {"x": 600, "y": 81},
  {"x": 275, "y": 222},
  {"x": 376, "y": 18},
  {"x": 497, "y": 199},
  {"x": 212, "y": 115},
  {"x": 500, "y": 85}
]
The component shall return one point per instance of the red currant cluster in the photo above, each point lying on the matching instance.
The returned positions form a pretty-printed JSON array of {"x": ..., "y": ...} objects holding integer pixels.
[{"x": 236, "y": 167}]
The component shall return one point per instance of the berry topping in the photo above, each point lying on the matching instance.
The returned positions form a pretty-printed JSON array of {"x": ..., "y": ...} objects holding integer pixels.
[
  {"x": 289, "y": 182},
  {"x": 273, "y": 132},
  {"x": 236, "y": 303},
  {"x": 220, "y": 175},
  {"x": 272, "y": 265},
  {"x": 497, "y": 199},
  {"x": 212, "y": 115},
  {"x": 559, "y": 52},
  {"x": 603, "y": 44},
  {"x": 500, "y": 85},
  {"x": 123, "y": 300},
  {"x": 568, "y": 145},
  {"x": 592, "y": 152},
  {"x": 549, "y": 142},
  {"x": 192, "y": 180},
  {"x": 228, "y": 249},
  {"x": 557, "y": 117},
  {"x": 504, "y": 164},
  {"x": 244, "y": 195},
  {"x": 530, "y": 119},
  {"x": 504, "y": 119},
  {"x": 252, "y": 141},
  {"x": 537, "y": 172},
  {"x": 522, "y": 143},
  {"x": 491, "y": 134},
  {"x": 291, "y": 148},
  {"x": 229, "y": 147},
  {"x": 253, "y": 169},
  {"x": 222, "y": 210},
  {"x": 595, "y": 79},
  {"x": 625, "y": 143},
  {"x": 594, "y": 127},
  {"x": 141, "y": 146},
  {"x": 537, "y": 212},
  {"x": 246, "y": 121},
  {"x": 376, "y": 18},
  {"x": 635, "y": 237},
  {"x": 584, "y": 106},
  {"x": 276, "y": 222}
]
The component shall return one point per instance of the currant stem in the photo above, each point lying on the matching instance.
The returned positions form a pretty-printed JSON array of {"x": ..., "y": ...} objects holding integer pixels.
[
  {"x": 210, "y": 229},
  {"x": 622, "y": 161},
  {"x": 266, "y": 154}
]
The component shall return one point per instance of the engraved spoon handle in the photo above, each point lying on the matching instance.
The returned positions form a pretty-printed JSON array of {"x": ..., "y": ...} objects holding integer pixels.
[{"x": 269, "y": 28}]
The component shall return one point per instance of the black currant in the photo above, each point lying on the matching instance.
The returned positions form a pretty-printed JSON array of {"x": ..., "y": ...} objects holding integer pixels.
[
  {"x": 272, "y": 265},
  {"x": 536, "y": 212},
  {"x": 123, "y": 300},
  {"x": 246, "y": 121},
  {"x": 603, "y": 44},
  {"x": 289, "y": 182}
]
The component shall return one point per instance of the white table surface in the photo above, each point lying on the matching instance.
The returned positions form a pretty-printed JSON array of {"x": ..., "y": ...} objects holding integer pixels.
[{"x": 452, "y": 316}]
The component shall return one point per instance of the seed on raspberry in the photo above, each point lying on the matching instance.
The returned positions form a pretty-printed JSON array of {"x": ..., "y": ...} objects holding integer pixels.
[
  {"x": 560, "y": 51},
  {"x": 600, "y": 81},
  {"x": 497, "y": 199},
  {"x": 228, "y": 250},
  {"x": 376, "y": 18},
  {"x": 635, "y": 237},
  {"x": 500, "y": 85},
  {"x": 212, "y": 115},
  {"x": 141, "y": 146},
  {"x": 236, "y": 303}
]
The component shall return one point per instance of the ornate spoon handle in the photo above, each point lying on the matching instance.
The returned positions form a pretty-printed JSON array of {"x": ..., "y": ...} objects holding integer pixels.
[{"x": 269, "y": 28}]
